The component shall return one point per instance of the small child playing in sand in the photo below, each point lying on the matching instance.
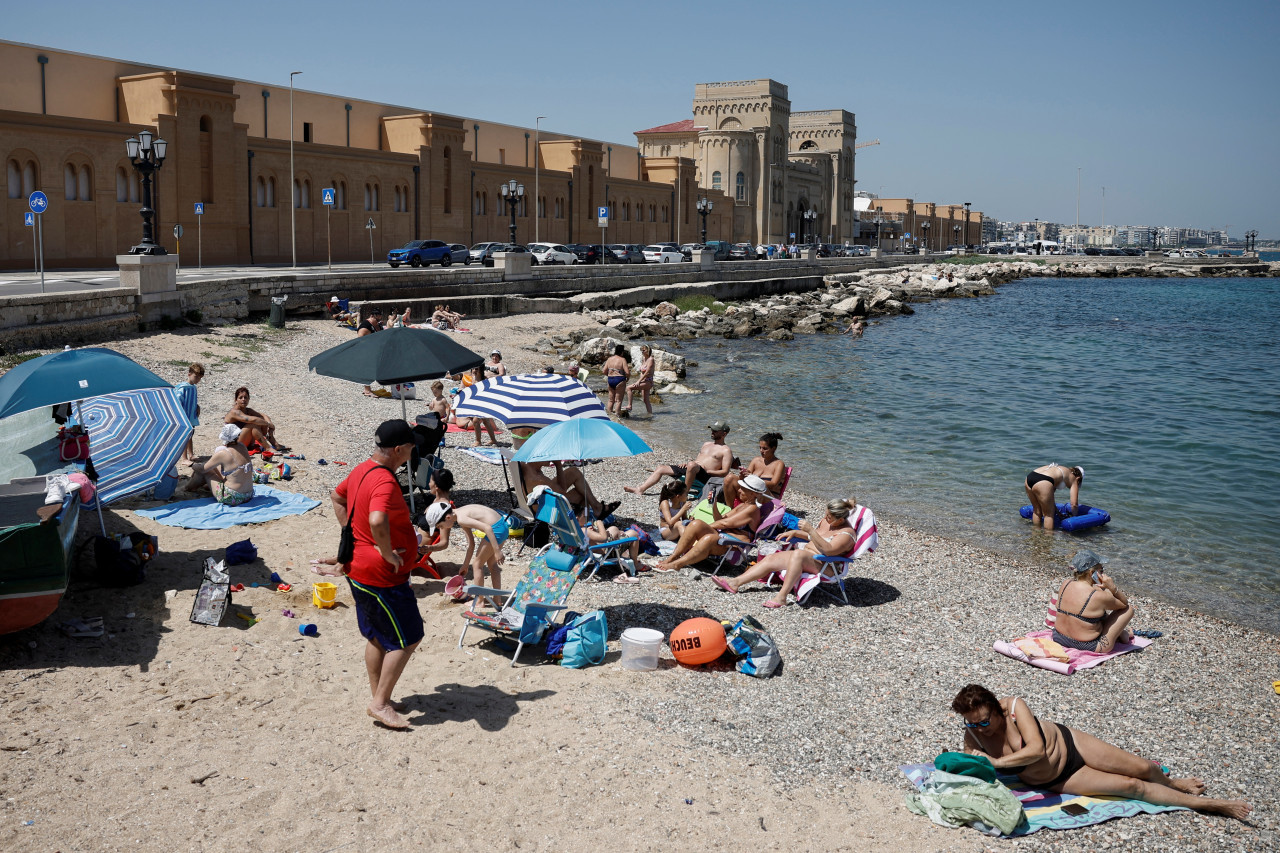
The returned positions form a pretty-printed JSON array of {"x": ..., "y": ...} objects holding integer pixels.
[
  {"x": 488, "y": 529},
  {"x": 189, "y": 400}
]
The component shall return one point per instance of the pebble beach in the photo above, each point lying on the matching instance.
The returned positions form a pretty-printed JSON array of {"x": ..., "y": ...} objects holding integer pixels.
[{"x": 168, "y": 735}]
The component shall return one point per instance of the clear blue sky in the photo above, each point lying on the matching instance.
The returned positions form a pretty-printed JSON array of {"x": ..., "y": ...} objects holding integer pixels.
[{"x": 1174, "y": 106}]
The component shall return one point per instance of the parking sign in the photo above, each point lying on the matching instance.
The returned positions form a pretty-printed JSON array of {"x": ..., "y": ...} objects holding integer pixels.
[{"x": 602, "y": 216}]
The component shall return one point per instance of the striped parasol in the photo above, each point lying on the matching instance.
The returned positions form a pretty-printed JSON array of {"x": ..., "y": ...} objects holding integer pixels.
[
  {"x": 135, "y": 437},
  {"x": 532, "y": 400}
]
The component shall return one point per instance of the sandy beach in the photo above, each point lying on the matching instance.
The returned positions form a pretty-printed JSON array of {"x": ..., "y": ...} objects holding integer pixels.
[{"x": 166, "y": 735}]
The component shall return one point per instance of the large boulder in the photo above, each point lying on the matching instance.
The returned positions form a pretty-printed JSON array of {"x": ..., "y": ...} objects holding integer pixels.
[
  {"x": 854, "y": 305},
  {"x": 595, "y": 350},
  {"x": 879, "y": 297},
  {"x": 666, "y": 309}
]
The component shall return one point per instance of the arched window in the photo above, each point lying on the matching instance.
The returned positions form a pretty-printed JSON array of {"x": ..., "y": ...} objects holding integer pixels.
[
  {"x": 85, "y": 183},
  {"x": 297, "y": 193},
  {"x": 448, "y": 181},
  {"x": 30, "y": 178},
  {"x": 342, "y": 195},
  {"x": 13, "y": 179},
  {"x": 484, "y": 202},
  {"x": 808, "y": 145},
  {"x": 206, "y": 160},
  {"x": 262, "y": 192},
  {"x": 715, "y": 180},
  {"x": 69, "y": 182},
  {"x": 666, "y": 213},
  {"x": 475, "y": 205},
  {"x": 302, "y": 193},
  {"x": 591, "y": 185},
  {"x": 653, "y": 214},
  {"x": 122, "y": 185},
  {"x": 271, "y": 192},
  {"x": 377, "y": 202},
  {"x": 395, "y": 207},
  {"x": 740, "y": 193},
  {"x": 368, "y": 197}
]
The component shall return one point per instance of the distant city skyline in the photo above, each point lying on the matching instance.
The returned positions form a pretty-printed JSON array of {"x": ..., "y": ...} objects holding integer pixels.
[{"x": 1169, "y": 106}]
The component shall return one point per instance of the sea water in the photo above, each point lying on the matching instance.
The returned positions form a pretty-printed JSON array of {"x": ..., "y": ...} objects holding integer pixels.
[{"x": 1167, "y": 391}]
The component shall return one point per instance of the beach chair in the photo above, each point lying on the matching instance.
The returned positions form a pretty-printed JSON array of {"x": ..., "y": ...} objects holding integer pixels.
[
  {"x": 568, "y": 536},
  {"x": 527, "y": 611},
  {"x": 534, "y": 529},
  {"x": 865, "y": 540},
  {"x": 786, "y": 480},
  {"x": 741, "y": 551}
]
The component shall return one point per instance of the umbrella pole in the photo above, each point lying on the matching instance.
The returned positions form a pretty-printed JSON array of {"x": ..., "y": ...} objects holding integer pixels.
[
  {"x": 404, "y": 413},
  {"x": 97, "y": 497}
]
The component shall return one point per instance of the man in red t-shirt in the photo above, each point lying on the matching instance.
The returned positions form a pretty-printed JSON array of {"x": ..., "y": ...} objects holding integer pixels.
[{"x": 386, "y": 545}]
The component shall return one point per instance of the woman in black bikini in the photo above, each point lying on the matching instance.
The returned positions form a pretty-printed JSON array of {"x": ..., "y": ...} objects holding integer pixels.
[
  {"x": 617, "y": 369},
  {"x": 1068, "y": 761},
  {"x": 1092, "y": 592},
  {"x": 1041, "y": 485}
]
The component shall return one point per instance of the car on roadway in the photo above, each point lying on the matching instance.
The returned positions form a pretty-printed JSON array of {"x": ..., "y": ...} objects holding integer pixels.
[
  {"x": 417, "y": 253},
  {"x": 552, "y": 253},
  {"x": 742, "y": 252},
  {"x": 480, "y": 251},
  {"x": 509, "y": 248},
  {"x": 627, "y": 253},
  {"x": 662, "y": 255},
  {"x": 856, "y": 251},
  {"x": 460, "y": 252},
  {"x": 719, "y": 248},
  {"x": 688, "y": 249}
]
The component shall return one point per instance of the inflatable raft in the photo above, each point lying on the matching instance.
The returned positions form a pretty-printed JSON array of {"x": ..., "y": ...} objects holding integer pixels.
[{"x": 1088, "y": 516}]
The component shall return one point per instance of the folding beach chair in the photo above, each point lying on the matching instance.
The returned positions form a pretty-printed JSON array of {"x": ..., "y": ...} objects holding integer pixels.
[
  {"x": 527, "y": 611},
  {"x": 865, "y": 540},
  {"x": 741, "y": 551},
  {"x": 568, "y": 536}
]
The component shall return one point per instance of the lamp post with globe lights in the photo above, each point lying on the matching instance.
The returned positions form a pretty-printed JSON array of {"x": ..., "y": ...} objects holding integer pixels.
[
  {"x": 704, "y": 207},
  {"x": 809, "y": 216},
  {"x": 512, "y": 194},
  {"x": 146, "y": 153}
]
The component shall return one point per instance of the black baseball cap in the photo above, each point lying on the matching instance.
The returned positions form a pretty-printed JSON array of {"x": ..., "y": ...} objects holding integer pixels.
[{"x": 393, "y": 434}]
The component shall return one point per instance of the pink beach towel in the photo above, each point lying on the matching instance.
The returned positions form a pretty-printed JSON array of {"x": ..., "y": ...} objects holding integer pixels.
[{"x": 1076, "y": 659}]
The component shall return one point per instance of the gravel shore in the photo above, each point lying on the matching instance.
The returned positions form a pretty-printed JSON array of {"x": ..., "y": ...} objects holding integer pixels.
[{"x": 865, "y": 687}]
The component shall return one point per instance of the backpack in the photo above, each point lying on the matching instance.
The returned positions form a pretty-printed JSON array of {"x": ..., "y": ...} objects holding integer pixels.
[{"x": 585, "y": 643}]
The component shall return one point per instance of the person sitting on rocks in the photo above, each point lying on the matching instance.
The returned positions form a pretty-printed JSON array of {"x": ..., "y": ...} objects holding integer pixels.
[
  {"x": 701, "y": 540},
  {"x": 714, "y": 460},
  {"x": 257, "y": 426},
  {"x": 1065, "y": 760},
  {"x": 568, "y": 481},
  {"x": 229, "y": 466},
  {"x": 767, "y": 466}
]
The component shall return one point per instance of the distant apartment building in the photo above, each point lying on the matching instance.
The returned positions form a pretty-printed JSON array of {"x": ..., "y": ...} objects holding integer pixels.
[{"x": 1088, "y": 235}]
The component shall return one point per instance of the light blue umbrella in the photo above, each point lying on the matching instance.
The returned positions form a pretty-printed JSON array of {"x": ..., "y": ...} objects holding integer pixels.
[
  {"x": 70, "y": 375},
  {"x": 531, "y": 400},
  {"x": 135, "y": 437},
  {"x": 581, "y": 438}
]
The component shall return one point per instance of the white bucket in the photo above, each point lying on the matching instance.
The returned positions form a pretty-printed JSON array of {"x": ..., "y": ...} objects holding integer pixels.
[{"x": 640, "y": 648}]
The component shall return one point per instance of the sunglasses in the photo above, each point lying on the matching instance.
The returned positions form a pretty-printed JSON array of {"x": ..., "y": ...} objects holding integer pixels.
[{"x": 981, "y": 725}]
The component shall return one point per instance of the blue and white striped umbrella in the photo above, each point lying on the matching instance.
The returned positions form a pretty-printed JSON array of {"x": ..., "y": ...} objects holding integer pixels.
[
  {"x": 532, "y": 400},
  {"x": 135, "y": 437}
]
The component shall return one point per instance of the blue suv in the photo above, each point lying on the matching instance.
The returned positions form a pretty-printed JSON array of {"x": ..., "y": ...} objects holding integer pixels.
[{"x": 415, "y": 253}]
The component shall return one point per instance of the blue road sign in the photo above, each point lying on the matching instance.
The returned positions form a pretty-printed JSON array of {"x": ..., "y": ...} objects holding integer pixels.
[
  {"x": 326, "y": 196},
  {"x": 38, "y": 202},
  {"x": 199, "y": 208},
  {"x": 602, "y": 212},
  {"x": 28, "y": 219}
]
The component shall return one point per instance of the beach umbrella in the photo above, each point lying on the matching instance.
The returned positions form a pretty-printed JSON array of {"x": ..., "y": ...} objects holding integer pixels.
[
  {"x": 136, "y": 437},
  {"x": 581, "y": 438},
  {"x": 393, "y": 356},
  {"x": 71, "y": 375},
  {"x": 533, "y": 400}
]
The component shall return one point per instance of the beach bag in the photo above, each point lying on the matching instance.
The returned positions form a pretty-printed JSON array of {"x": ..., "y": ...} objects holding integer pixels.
[
  {"x": 214, "y": 595},
  {"x": 585, "y": 642},
  {"x": 404, "y": 391},
  {"x": 73, "y": 446},
  {"x": 751, "y": 642},
  {"x": 347, "y": 541},
  {"x": 240, "y": 552},
  {"x": 120, "y": 559},
  {"x": 555, "y": 640}
]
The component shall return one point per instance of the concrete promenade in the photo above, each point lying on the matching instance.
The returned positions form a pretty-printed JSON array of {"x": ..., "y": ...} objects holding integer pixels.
[{"x": 88, "y": 306}]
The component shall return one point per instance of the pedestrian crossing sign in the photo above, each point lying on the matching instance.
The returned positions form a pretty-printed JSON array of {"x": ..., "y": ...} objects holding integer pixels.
[{"x": 326, "y": 196}]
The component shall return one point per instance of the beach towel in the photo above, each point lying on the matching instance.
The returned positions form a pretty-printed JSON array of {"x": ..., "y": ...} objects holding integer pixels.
[
  {"x": 492, "y": 455},
  {"x": 456, "y": 428},
  {"x": 268, "y": 504},
  {"x": 1043, "y": 809},
  {"x": 1076, "y": 659}
]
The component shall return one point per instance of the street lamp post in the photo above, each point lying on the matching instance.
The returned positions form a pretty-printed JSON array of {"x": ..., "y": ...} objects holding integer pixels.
[
  {"x": 146, "y": 154},
  {"x": 704, "y": 207},
  {"x": 924, "y": 226},
  {"x": 809, "y": 216},
  {"x": 879, "y": 220},
  {"x": 967, "y": 235},
  {"x": 955, "y": 229},
  {"x": 512, "y": 193},
  {"x": 293, "y": 193},
  {"x": 1251, "y": 240},
  {"x": 537, "y": 197}
]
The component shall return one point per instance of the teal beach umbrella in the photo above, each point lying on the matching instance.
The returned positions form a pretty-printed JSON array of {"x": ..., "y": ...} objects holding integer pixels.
[{"x": 581, "y": 438}]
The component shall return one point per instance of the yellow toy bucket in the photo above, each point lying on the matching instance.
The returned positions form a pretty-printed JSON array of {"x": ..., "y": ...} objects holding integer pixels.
[{"x": 323, "y": 594}]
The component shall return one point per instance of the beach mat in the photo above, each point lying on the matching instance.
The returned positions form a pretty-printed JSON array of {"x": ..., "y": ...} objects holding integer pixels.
[
  {"x": 1077, "y": 659},
  {"x": 1044, "y": 808},
  {"x": 268, "y": 504},
  {"x": 492, "y": 455}
]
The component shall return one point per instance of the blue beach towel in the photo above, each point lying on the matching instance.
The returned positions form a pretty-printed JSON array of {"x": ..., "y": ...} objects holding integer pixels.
[{"x": 268, "y": 504}]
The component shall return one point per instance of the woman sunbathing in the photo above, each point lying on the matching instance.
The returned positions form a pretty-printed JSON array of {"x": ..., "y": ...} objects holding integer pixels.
[
  {"x": 1068, "y": 761},
  {"x": 1092, "y": 614},
  {"x": 767, "y": 466},
  {"x": 833, "y": 537},
  {"x": 673, "y": 506},
  {"x": 701, "y": 540}
]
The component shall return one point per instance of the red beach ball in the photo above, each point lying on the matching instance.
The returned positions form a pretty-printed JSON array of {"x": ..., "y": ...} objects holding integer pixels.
[{"x": 697, "y": 641}]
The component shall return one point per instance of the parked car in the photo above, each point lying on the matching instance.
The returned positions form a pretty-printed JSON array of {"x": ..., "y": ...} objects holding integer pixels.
[
  {"x": 688, "y": 249},
  {"x": 855, "y": 251},
  {"x": 586, "y": 254},
  {"x": 503, "y": 247},
  {"x": 552, "y": 253},
  {"x": 627, "y": 253},
  {"x": 415, "y": 253},
  {"x": 720, "y": 248},
  {"x": 742, "y": 252},
  {"x": 662, "y": 255},
  {"x": 459, "y": 252},
  {"x": 480, "y": 251},
  {"x": 1092, "y": 250}
]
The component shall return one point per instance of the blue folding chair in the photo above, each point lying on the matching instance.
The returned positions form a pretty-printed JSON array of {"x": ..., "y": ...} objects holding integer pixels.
[{"x": 554, "y": 510}]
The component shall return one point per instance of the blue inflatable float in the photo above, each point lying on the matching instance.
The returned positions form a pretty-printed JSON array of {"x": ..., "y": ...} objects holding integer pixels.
[{"x": 1088, "y": 516}]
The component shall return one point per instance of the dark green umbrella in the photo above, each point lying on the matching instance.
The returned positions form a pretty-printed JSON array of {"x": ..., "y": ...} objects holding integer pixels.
[{"x": 393, "y": 356}]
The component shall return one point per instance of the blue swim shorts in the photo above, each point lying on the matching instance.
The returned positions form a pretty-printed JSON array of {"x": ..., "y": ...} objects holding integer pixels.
[{"x": 388, "y": 615}]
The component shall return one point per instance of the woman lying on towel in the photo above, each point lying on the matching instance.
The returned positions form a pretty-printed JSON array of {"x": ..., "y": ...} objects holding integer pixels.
[
  {"x": 1092, "y": 614},
  {"x": 833, "y": 537},
  {"x": 1065, "y": 760}
]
